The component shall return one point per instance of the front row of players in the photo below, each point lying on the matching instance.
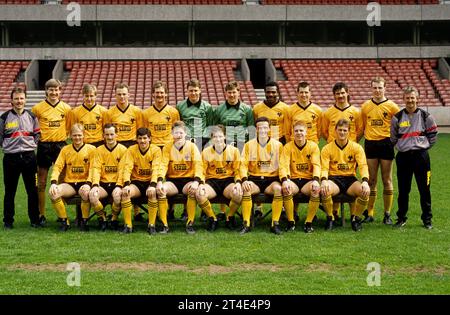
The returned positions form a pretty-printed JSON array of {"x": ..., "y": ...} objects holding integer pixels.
[{"x": 146, "y": 172}]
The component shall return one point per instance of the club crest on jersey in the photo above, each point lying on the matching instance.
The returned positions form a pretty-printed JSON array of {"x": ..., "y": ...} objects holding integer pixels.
[{"x": 350, "y": 158}]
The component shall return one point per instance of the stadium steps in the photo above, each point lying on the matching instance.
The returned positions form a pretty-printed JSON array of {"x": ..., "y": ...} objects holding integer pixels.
[
  {"x": 260, "y": 95},
  {"x": 34, "y": 97},
  {"x": 280, "y": 75}
]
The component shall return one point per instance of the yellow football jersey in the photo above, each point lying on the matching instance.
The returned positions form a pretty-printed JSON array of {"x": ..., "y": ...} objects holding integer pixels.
[
  {"x": 311, "y": 115},
  {"x": 160, "y": 122},
  {"x": 75, "y": 162},
  {"x": 337, "y": 161},
  {"x": 277, "y": 116},
  {"x": 221, "y": 165},
  {"x": 52, "y": 120},
  {"x": 377, "y": 118},
  {"x": 258, "y": 160},
  {"x": 141, "y": 166},
  {"x": 333, "y": 114},
  {"x": 127, "y": 121},
  {"x": 105, "y": 168},
  {"x": 300, "y": 162},
  {"x": 185, "y": 162},
  {"x": 91, "y": 119}
]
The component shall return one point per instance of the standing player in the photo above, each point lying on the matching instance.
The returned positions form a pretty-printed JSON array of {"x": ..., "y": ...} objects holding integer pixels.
[
  {"x": 376, "y": 115},
  {"x": 127, "y": 118},
  {"x": 182, "y": 169},
  {"x": 221, "y": 165},
  {"x": 90, "y": 115},
  {"x": 160, "y": 117},
  {"x": 414, "y": 132},
  {"x": 236, "y": 116},
  {"x": 342, "y": 109},
  {"x": 197, "y": 114},
  {"x": 140, "y": 172},
  {"x": 19, "y": 134},
  {"x": 306, "y": 111},
  {"x": 104, "y": 177},
  {"x": 51, "y": 114},
  {"x": 260, "y": 173},
  {"x": 75, "y": 159},
  {"x": 339, "y": 160},
  {"x": 300, "y": 172}
]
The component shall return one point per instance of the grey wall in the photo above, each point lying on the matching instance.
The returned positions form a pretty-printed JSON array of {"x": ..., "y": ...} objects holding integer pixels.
[
  {"x": 32, "y": 75},
  {"x": 225, "y": 12}
]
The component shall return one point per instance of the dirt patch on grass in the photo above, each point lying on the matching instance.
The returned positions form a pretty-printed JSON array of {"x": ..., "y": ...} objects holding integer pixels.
[
  {"x": 438, "y": 271},
  {"x": 163, "y": 267}
]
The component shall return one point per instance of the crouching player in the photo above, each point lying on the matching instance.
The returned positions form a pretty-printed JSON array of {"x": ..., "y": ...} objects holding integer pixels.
[
  {"x": 75, "y": 159},
  {"x": 300, "y": 171},
  {"x": 182, "y": 169},
  {"x": 260, "y": 173},
  {"x": 104, "y": 177},
  {"x": 221, "y": 163},
  {"x": 339, "y": 160},
  {"x": 140, "y": 173}
]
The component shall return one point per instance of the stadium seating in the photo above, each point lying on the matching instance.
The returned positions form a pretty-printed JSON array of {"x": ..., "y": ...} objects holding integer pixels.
[
  {"x": 140, "y": 76},
  {"x": 346, "y": 2},
  {"x": 323, "y": 74},
  {"x": 8, "y": 75},
  {"x": 20, "y": 2},
  {"x": 161, "y": 2}
]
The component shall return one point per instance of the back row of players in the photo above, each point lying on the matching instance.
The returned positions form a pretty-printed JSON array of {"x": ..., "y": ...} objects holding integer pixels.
[{"x": 263, "y": 166}]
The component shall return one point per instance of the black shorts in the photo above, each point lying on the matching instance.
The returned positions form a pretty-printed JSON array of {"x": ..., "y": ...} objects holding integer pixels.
[
  {"x": 128, "y": 143},
  {"x": 379, "y": 149},
  {"x": 263, "y": 182},
  {"x": 76, "y": 186},
  {"x": 300, "y": 182},
  {"x": 142, "y": 186},
  {"x": 47, "y": 153},
  {"x": 97, "y": 143},
  {"x": 180, "y": 183},
  {"x": 108, "y": 187},
  {"x": 219, "y": 185},
  {"x": 343, "y": 182}
]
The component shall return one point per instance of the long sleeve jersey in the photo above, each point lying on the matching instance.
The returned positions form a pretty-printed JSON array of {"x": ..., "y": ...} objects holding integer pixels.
[
  {"x": 197, "y": 117},
  {"x": 105, "y": 168},
  {"x": 343, "y": 161},
  {"x": 141, "y": 166},
  {"x": 416, "y": 131},
  {"x": 52, "y": 120},
  {"x": 237, "y": 119},
  {"x": 76, "y": 163},
  {"x": 19, "y": 133},
  {"x": 261, "y": 160},
  {"x": 221, "y": 165},
  {"x": 185, "y": 162},
  {"x": 300, "y": 162}
]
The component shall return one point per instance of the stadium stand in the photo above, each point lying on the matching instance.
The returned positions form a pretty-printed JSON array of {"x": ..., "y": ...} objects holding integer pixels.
[
  {"x": 160, "y": 2},
  {"x": 140, "y": 76},
  {"x": 8, "y": 79},
  {"x": 346, "y": 2},
  {"x": 323, "y": 74}
]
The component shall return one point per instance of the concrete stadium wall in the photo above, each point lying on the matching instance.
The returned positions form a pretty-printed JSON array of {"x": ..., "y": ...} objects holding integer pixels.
[
  {"x": 224, "y": 13},
  {"x": 309, "y": 52}
]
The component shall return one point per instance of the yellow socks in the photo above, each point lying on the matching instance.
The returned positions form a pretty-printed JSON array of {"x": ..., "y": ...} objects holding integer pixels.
[
  {"x": 371, "y": 204},
  {"x": 288, "y": 204},
  {"x": 126, "y": 209},
  {"x": 163, "y": 207},
  {"x": 60, "y": 208},
  {"x": 313, "y": 205},
  {"x": 206, "y": 208},
  {"x": 388, "y": 199},
  {"x": 277, "y": 207},
  {"x": 152, "y": 211},
  {"x": 247, "y": 205},
  {"x": 191, "y": 204}
]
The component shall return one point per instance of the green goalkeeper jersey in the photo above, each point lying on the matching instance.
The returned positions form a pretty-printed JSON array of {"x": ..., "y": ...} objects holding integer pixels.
[
  {"x": 197, "y": 117},
  {"x": 236, "y": 119}
]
